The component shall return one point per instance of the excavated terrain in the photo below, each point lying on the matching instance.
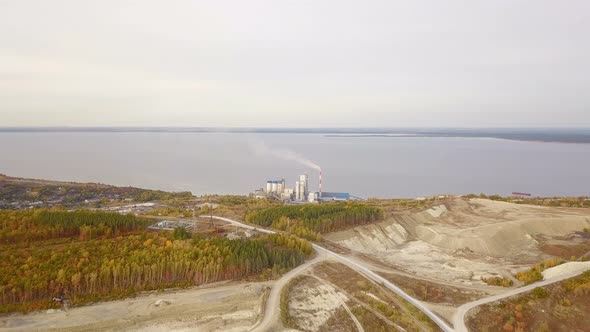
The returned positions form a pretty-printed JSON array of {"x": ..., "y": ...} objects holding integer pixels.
[
  {"x": 461, "y": 240},
  {"x": 235, "y": 306}
]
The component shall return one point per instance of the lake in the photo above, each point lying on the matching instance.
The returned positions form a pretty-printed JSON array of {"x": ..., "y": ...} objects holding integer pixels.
[{"x": 235, "y": 163}]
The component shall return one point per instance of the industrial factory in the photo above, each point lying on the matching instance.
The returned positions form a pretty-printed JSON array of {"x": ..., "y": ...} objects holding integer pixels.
[{"x": 277, "y": 189}]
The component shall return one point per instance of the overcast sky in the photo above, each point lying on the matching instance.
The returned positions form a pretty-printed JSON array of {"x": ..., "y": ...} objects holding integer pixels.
[{"x": 294, "y": 63}]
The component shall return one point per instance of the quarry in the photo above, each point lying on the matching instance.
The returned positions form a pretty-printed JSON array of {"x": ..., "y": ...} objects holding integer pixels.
[
  {"x": 438, "y": 252},
  {"x": 460, "y": 240}
]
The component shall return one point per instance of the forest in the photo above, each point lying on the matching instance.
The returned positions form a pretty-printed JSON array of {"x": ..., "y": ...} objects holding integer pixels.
[
  {"x": 26, "y": 226},
  {"x": 125, "y": 261},
  {"x": 316, "y": 218}
]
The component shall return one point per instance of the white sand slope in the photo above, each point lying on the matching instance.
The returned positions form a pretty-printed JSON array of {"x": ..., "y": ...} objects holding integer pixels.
[
  {"x": 499, "y": 239},
  {"x": 462, "y": 240},
  {"x": 565, "y": 268},
  {"x": 437, "y": 211},
  {"x": 313, "y": 305}
]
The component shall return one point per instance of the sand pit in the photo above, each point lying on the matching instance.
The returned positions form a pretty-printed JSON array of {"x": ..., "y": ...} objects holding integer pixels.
[
  {"x": 382, "y": 236},
  {"x": 565, "y": 268},
  {"x": 462, "y": 240},
  {"x": 425, "y": 260},
  {"x": 312, "y": 303},
  {"x": 502, "y": 238}
]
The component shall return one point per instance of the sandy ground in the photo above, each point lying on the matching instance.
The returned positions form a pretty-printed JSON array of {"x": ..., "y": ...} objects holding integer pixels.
[
  {"x": 219, "y": 307},
  {"x": 564, "y": 269},
  {"x": 463, "y": 240},
  {"x": 312, "y": 303},
  {"x": 445, "y": 311}
]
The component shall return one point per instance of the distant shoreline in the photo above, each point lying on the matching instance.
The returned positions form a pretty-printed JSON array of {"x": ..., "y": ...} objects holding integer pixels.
[
  {"x": 544, "y": 135},
  {"x": 457, "y": 136}
]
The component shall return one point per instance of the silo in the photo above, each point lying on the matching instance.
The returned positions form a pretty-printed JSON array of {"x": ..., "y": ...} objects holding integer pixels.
[
  {"x": 275, "y": 186},
  {"x": 303, "y": 180},
  {"x": 268, "y": 187},
  {"x": 302, "y": 193},
  {"x": 297, "y": 190},
  {"x": 312, "y": 197},
  {"x": 281, "y": 188}
]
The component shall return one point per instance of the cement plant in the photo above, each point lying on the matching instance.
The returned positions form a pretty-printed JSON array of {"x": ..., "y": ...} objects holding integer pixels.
[{"x": 278, "y": 190}]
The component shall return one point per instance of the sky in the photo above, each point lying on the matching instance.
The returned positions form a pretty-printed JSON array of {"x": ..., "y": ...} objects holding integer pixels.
[{"x": 321, "y": 63}]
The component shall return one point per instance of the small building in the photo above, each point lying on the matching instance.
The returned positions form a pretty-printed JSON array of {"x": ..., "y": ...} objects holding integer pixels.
[{"x": 333, "y": 196}]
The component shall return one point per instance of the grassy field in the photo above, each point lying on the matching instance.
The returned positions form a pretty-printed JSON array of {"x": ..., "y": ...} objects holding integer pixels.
[{"x": 378, "y": 308}]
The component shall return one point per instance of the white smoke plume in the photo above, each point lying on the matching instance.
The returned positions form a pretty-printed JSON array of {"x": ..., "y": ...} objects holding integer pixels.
[{"x": 262, "y": 149}]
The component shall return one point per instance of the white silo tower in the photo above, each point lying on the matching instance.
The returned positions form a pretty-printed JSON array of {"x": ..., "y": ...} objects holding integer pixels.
[
  {"x": 297, "y": 190},
  {"x": 268, "y": 187},
  {"x": 275, "y": 186},
  {"x": 303, "y": 180},
  {"x": 281, "y": 186}
]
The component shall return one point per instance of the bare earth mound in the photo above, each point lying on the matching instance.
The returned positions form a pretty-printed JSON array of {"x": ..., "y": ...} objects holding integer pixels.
[
  {"x": 312, "y": 303},
  {"x": 462, "y": 240}
]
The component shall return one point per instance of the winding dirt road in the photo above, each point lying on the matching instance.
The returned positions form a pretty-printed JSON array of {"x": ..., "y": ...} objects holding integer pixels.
[
  {"x": 273, "y": 303},
  {"x": 274, "y": 297},
  {"x": 459, "y": 318}
]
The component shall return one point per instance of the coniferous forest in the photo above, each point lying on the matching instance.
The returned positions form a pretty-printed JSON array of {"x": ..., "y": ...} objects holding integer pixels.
[
  {"x": 89, "y": 256},
  {"x": 316, "y": 218}
]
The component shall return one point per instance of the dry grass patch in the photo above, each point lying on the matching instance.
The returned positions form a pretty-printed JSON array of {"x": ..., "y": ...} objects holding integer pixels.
[
  {"x": 560, "y": 307},
  {"x": 433, "y": 292},
  {"x": 378, "y": 300}
]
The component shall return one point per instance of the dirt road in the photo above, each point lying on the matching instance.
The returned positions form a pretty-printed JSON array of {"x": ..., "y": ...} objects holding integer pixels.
[
  {"x": 273, "y": 303},
  {"x": 459, "y": 318},
  {"x": 355, "y": 266}
]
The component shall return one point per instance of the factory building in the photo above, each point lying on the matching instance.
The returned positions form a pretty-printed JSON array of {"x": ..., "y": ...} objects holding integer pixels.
[
  {"x": 327, "y": 196},
  {"x": 275, "y": 187},
  {"x": 300, "y": 193},
  {"x": 301, "y": 188}
]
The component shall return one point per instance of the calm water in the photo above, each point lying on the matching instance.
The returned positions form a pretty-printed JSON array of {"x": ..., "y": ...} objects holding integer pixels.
[{"x": 365, "y": 167}]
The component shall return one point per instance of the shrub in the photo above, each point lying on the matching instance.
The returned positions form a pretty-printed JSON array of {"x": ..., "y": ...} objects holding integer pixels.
[
  {"x": 539, "y": 293},
  {"x": 180, "y": 233},
  {"x": 534, "y": 274},
  {"x": 498, "y": 281}
]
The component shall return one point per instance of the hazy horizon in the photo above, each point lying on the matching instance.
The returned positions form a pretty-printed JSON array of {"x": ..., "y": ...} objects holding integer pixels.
[
  {"x": 57, "y": 127},
  {"x": 294, "y": 64}
]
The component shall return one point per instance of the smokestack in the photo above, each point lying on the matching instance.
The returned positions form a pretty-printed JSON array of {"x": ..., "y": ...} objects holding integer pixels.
[{"x": 320, "y": 183}]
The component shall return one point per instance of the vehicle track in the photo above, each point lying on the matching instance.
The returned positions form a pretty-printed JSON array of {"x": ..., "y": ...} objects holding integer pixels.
[{"x": 350, "y": 263}]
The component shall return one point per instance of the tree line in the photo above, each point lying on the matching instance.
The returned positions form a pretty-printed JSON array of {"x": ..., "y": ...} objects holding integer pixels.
[
  {"x": 25, "y": 226},
  {"x": 91, "y": 270},
  {"x": 88, "y": 270},
  {"x": 319, "y": 218}
]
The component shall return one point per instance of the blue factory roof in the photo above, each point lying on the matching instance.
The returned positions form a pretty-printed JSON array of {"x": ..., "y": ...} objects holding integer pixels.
[{"x": 336, "y": 195}]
